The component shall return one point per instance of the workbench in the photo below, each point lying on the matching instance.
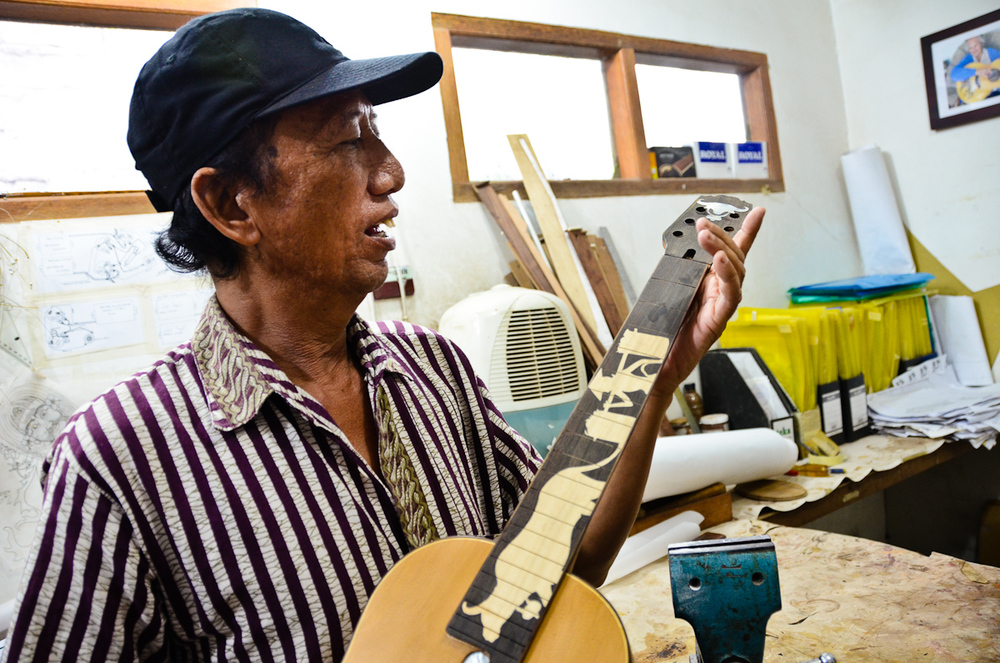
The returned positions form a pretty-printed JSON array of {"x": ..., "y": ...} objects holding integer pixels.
[
  {"x": 857, "y": 599},
  {"x": 871, "y": 465}
]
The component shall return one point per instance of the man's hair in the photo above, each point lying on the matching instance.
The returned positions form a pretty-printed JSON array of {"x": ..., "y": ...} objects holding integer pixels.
[{"x": 191, "y": 243}]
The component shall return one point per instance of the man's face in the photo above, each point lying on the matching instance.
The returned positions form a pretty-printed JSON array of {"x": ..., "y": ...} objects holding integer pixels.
[
  {"x": 975, "y": 46},
  {"x": 321, "y": 224}
]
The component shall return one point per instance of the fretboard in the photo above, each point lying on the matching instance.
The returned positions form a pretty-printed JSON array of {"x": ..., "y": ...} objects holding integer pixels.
[{"x": 507, "y": 601}]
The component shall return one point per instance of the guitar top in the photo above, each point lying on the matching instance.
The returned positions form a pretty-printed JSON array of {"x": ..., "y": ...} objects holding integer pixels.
[{"x": 511, "y": 593}]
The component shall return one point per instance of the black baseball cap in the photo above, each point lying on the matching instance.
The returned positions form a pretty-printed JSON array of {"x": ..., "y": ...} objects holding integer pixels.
[{"x": 222, "y": 71}]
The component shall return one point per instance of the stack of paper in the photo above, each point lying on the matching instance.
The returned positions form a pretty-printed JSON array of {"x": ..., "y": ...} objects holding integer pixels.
[{"x": 938, "y": 406}]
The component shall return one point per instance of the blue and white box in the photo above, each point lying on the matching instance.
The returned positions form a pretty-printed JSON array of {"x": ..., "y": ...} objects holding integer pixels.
[
  {"x": 713, "y": 160},
  {"x": 751, "y": 160}
]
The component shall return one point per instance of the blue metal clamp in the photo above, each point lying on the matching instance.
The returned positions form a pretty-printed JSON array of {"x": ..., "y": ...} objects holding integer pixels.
[{"x": 726, "y": 589}]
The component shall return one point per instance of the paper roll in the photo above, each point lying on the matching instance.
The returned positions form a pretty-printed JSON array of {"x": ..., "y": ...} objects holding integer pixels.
[
  {"x": 683, "y": 463},
  {"x": 879, "y": 227}
]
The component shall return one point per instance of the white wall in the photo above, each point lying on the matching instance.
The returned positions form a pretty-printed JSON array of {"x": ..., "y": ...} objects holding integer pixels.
[
  {"x": 946, "y": 180},
  {"x": 455, "y": 249}
]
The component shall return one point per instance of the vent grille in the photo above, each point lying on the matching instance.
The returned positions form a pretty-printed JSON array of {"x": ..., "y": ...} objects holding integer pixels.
[{"x": 540, "y": 359}]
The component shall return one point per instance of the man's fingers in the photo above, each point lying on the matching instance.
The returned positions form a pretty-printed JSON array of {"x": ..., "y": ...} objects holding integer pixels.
[
  {"x": 715, "y": 240},
  {"x": 748, "y": 231}
]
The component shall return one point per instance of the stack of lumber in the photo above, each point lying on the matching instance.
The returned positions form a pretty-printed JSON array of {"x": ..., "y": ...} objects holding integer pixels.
[{"x": 578, "y": 267}]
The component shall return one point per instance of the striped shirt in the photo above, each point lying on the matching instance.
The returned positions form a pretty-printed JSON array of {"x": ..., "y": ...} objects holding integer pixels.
[{"x": 209, "y": 509}]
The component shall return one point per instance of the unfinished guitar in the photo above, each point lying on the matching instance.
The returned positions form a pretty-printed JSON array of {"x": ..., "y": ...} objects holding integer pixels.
[{"x": 465, "y": 599}]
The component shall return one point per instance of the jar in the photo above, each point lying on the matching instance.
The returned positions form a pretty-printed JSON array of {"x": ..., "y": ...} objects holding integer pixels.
[
  {"x": 713, "y": 423},
  {"x": 694, "y": 401}
]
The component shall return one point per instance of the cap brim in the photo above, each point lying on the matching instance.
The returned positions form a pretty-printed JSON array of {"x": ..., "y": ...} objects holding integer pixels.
[{"x": 381, "y": 79}]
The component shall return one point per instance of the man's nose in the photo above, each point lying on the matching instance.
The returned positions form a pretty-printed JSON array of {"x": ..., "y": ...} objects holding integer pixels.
[{"x": 386, "y": 176}]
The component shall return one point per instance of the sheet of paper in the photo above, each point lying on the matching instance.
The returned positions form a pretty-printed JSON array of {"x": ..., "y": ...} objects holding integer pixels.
[
  {"x": 958, "y": 328},
  {"x": 89, "y": 254},
  {"x": 176, "y": 315},
  {"x": 78, "y": 327},
  {"x": 936, "y": 403}
]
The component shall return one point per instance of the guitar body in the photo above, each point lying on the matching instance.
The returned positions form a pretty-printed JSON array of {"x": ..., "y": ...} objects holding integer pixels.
[
  {"x": 980, "y": 86},
  {"x": 406, "y": 617}
]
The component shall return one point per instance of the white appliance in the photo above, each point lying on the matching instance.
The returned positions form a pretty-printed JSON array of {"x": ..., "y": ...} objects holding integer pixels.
[{"x": 523, "y": 345}]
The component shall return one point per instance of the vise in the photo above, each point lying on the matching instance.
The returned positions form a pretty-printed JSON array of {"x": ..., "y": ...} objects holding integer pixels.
[{"x": 727, "y": 589}]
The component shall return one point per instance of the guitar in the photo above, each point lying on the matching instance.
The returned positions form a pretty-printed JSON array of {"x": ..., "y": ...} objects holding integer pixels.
[
  {"x": 471, "y": 600},
  {"x": 982, "y": 85}
]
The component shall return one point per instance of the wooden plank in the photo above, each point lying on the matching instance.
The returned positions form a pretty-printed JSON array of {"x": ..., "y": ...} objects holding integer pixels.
[
  {"x": 610, "y": 271},
  {"x": 760, "y": 119},
  {"x": 626, "y": 115},
  {"x": 18, "y": 208},
  {"x": 540, "y": 273},
  {"x": 452, "y": 113},
  {"x": 552, "y": 226},
  {"x": 601, "y": 290},
  {"x": 616, "y": 259},
  {"x": 524, "y": 37},
  {"x": 713, "y": 502},
  {"x": 145, "y": 14},
  {"x": 592, "y": 346},
  {"x": 521, "y": 275},
  {"x": 465, "y": 192}
]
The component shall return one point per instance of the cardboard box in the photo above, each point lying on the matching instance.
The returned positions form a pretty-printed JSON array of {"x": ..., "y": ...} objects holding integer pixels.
[
  {"x": 672, "y": 162},
  {"x": 750, "y": 160},
  {"x": 713, "y": 160}
]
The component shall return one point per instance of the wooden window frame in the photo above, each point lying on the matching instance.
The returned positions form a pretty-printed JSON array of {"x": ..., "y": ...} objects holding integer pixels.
[
  {"x": 136, "y": 14},
  {"x": 619, "y": 54}
]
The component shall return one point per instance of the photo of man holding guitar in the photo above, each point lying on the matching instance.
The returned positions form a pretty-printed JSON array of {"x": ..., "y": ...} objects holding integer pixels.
[{"x": 243, "y": 498}]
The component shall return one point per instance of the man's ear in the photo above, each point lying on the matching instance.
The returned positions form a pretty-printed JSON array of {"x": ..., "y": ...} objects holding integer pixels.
[{"x": 221, "y": 207}]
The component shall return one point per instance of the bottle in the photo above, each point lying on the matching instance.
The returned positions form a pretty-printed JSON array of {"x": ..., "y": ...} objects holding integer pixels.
[{"x": 694, "y": 401}]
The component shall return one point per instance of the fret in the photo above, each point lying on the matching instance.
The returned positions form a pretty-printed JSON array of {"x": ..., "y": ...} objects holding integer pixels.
[
  {"x": 531, "y": 560},
  {"x": 512, "y": 591}
]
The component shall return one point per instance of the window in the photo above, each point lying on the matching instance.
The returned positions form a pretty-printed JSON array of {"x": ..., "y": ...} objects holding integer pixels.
[
  {"x": 65, "y": 106},
  {"x": 631, "y": 71}
]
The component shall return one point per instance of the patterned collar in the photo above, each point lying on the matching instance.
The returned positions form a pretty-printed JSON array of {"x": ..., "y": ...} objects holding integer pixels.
[{"x": 239, "y": 376}]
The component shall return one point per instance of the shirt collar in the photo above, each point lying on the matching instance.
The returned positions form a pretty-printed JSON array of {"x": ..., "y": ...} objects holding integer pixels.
[{"x": 239, "y": 376}]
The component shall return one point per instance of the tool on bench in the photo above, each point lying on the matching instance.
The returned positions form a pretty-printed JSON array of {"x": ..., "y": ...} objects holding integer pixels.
[{"x": 727, "y": 589}]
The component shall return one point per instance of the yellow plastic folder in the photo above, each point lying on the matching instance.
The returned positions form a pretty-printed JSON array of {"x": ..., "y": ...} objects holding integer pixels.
[{"x": 781, "y": 342}]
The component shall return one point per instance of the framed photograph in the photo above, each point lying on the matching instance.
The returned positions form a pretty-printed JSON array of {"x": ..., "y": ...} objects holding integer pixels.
[{"x": 962, "y": 72}]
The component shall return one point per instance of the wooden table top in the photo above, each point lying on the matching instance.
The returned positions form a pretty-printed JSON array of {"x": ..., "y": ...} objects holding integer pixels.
[{"x": 859, "y": 600}]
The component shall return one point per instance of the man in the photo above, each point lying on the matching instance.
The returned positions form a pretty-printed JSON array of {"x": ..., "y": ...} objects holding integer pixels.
[
  {"x": 975, "y": 72},
  {"x": 241, "y": 498}
]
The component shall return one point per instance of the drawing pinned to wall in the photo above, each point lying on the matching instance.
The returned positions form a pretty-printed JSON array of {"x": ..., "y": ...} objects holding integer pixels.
[
  {"x": 32, "y": 413},
  {"x": 177, "y": 314},
  {"x": 12, "y": 323},
  {"x": 71, "y": 328},
  {"x": 73, "y": 260}
]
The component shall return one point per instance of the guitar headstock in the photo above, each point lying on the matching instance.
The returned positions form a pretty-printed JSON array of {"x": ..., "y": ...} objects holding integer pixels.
[{"x": 680, "y": 240}]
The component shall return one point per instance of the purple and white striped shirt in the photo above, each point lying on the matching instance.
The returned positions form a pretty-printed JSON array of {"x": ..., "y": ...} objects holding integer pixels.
[{"x": 209, "y": 509}]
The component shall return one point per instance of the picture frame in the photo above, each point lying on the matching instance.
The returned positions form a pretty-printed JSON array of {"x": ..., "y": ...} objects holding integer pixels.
[{"x": 962, "y": 72}]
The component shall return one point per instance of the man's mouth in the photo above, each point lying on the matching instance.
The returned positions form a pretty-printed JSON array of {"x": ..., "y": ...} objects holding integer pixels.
[{"x": 380, "y": 228}]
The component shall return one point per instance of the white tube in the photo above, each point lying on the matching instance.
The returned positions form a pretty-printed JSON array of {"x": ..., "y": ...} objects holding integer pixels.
[
  {"x": 683, "y": 463},
  {"x": 877, "y": 222}
]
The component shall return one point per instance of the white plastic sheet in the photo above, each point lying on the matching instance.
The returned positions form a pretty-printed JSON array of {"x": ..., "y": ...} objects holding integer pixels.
[{"x": 651, "y": 544}]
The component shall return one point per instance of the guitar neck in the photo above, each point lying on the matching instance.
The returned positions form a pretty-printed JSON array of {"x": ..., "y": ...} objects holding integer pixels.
[{"x": 508, "y": 599}]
